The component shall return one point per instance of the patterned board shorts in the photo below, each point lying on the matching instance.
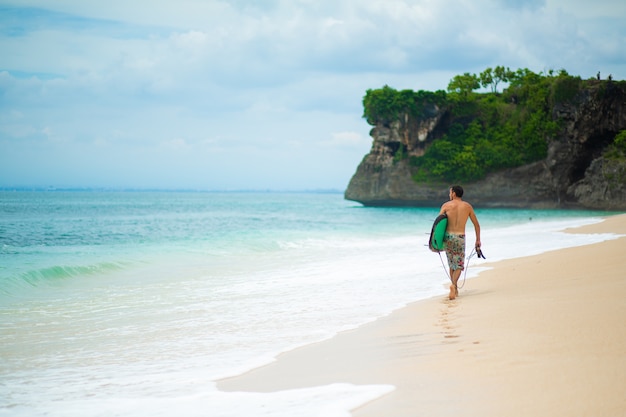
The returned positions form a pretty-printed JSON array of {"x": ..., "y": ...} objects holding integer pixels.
[{"x": 455, "y": 250}]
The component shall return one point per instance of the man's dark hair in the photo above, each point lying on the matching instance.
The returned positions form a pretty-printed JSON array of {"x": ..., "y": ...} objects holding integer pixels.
[{"x": 458, "y": 190}]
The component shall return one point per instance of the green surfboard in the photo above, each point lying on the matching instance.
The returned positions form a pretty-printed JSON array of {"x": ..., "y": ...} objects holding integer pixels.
[{"x": 435, "y": 243}]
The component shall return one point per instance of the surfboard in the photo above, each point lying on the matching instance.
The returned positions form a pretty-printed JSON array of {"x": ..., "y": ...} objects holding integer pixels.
[{"x": 435, "y": 243}]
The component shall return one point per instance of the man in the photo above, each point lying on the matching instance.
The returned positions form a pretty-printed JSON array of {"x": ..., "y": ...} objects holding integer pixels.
[{"x": 458, "y": 211}]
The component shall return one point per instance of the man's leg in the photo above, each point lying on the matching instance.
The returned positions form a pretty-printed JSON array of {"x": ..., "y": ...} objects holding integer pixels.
[
  {"x": 455, "y": 274},
  {"x": 455, "y": 279},
  {"x": 455, "y": 251}
]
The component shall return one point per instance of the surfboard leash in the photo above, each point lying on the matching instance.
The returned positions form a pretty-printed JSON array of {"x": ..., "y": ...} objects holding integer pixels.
[{"x": 472, "y": 253}]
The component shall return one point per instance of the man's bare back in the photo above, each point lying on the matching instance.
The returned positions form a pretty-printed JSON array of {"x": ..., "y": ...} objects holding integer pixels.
[{"x": 458, "y": 211}]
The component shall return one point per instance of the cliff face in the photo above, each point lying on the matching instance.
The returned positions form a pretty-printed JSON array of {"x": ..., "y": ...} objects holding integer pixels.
[{"x": 574, "y": 173}]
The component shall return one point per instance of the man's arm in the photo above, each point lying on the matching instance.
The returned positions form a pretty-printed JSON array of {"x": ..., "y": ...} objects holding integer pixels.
[{"x": 474, "y": 220}]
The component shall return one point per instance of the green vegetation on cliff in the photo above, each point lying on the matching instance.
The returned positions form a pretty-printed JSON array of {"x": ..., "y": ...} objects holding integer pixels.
[
  {"x": 485, "y": 132},
  {"x": 386, "y": 104},
  {"x": 617, "y": 151}
]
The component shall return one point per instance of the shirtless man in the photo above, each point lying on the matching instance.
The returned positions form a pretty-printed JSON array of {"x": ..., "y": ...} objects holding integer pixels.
[{"x": 458, "y": 211}]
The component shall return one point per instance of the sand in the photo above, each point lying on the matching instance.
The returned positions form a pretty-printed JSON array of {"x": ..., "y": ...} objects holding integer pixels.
[{"x": 537, "y": 336}]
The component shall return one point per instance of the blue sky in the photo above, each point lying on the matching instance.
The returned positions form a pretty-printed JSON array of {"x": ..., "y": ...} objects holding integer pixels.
[{"x": 247, "y": 94}]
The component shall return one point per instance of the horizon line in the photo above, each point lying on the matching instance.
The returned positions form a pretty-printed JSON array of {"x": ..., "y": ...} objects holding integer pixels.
[{"x": 168, "y": 189}]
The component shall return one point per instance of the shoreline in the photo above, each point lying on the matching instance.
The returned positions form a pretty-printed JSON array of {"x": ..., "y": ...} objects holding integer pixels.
[{"x": 514, "y": 343}]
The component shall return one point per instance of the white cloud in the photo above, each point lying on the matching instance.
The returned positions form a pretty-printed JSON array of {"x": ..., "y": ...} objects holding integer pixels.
[
  {"x": 347, "y": 140},
  {"x": 253, "y": 86},
  {"x": 176, "y": 144},
  {"x": 581, "y": 9}
]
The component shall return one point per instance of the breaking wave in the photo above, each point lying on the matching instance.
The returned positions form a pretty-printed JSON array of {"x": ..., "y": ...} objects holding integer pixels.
[{"x": 55, "y": 275}]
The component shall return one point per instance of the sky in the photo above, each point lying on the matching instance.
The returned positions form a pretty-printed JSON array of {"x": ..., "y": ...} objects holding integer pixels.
[{"x": 252, "y": 95}]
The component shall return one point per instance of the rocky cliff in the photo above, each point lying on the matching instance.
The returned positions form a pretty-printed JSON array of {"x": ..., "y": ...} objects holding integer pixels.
[{"x": 575, "y": 174}]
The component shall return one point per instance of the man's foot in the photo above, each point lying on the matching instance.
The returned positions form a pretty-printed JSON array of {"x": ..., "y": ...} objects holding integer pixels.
[{"x": 453, "y": 291}]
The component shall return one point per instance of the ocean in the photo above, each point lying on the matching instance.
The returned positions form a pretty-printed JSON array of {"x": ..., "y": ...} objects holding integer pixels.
[{"x": 134, "y": 303}]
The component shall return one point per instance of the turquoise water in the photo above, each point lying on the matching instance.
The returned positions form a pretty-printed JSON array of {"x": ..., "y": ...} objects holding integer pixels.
[{"x": 136, "y": 302}]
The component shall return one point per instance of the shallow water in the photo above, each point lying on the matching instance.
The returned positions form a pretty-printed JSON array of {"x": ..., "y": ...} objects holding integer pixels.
[{"x": 134, "y": 303}]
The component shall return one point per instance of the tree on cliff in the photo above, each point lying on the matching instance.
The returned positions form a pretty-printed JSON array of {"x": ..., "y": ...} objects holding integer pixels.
[
  {"x": 384, "y": 105},
  {"x": 464, "y": 84},
  {"x": 492, "y": 77}
]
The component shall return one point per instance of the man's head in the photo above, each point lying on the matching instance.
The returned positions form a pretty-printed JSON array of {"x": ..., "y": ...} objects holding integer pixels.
[{"x": 457, "y": 190}]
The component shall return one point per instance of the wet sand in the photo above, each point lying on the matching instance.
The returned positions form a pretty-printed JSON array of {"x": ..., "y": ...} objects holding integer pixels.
[{"x": 537, "y": 336}]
